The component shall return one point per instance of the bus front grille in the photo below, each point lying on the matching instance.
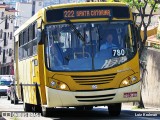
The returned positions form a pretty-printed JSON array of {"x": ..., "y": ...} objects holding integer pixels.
[
  {"x": 94, "y": 79},
  {"x": 95, "y": 98}
]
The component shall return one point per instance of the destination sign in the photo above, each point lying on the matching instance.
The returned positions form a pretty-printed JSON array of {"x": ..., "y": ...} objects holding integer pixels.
[
  {"x": 87, "y": 13},
  {"x": 54, "y": 15}
]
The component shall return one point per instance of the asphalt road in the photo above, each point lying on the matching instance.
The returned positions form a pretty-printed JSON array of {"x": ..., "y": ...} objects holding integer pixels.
[{"x": 98, "y": 113}]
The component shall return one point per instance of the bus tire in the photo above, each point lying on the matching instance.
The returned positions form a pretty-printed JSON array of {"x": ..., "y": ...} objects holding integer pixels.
[
  {"x": 114, "y": 109},
  {"x": 46, "y": 112},
  {"x": 38, "y": 108},
  {"x": 27, "y": 107},
  {"x": 15, "y": 101}
]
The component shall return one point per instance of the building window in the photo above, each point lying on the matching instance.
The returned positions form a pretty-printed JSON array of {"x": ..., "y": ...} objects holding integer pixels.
[
  {"x": 6, "y": 22},
  {"x": 5, "y": 40},
  {"x": 10, "y": 51},
  {"x": 2, "y": 15},
  {"x": 4, "y": 57},
  {"x": 10, "y": 35},
  {"x": 7, "y": 51},
  {"x": 1, "y": 33},
  {"x": 0, "y": 50},
  {"x": 40, "y": 3}
]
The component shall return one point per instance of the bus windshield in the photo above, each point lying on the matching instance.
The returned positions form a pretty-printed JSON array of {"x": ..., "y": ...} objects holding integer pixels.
[{"x": 88, "y": 46}]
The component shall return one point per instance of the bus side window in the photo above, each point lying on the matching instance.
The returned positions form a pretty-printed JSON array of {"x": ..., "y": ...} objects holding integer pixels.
[
  {"x": 20, "y": 46},
  {"x": 34, "y": 38},
  {"x": 30, "y": 32},
  {"x": 28, "y": 42}
]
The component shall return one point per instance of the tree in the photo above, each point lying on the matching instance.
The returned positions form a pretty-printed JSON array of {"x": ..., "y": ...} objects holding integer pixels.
[{"x": 140, "y": 6}]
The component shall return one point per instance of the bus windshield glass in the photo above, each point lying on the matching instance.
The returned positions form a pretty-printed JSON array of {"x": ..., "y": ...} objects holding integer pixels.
[{"x": 88, "y": 46}]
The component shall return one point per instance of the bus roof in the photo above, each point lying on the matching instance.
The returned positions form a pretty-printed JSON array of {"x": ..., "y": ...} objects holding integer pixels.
[
  {"x": 40, "y": 12},
  {"x": 87, "y": 4}
]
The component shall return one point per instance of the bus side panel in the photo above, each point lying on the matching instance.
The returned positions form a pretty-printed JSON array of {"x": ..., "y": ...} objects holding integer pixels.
[
  {"x": 24, "y": 78},
  {"x": 34, "y": 72},
  {"x": 42, "y": 76}
]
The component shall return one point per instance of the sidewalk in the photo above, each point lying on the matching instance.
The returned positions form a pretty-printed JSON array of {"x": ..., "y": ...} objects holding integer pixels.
[{"x": 129, "y": 106}]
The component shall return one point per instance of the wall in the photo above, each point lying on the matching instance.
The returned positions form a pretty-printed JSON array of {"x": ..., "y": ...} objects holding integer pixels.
[
  {"x": 151, "y": 90},
  {"x": 23, "y": 14},
  {"x": 158, "y": 31},
  {"x": 150, "y": 32}
]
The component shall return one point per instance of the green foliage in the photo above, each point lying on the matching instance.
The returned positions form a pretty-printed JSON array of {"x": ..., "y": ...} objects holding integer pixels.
[
  {"x": 158, "y": 36},
  {"x": 156, "y": 46},
  {"x": 140, "y": 3}
]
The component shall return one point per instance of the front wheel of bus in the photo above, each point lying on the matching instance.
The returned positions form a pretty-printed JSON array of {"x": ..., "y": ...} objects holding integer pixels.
[
  {"x": 46, "y": 111},
  {"x": 114, "y": 109}
]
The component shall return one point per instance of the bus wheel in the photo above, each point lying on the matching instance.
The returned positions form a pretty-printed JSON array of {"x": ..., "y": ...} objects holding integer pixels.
[
  {"x": 27, "y": 107},
  {"x": 15, "y": 101},
  {"x": 88, "y": 107},
  {"x": 114, "y": 109},
  {"x": 46, "y": 111},
  {"x": 38, "y": 108}
]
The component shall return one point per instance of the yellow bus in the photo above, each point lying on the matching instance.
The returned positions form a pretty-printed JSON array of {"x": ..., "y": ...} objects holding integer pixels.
[{"x": 77, "y": 55}]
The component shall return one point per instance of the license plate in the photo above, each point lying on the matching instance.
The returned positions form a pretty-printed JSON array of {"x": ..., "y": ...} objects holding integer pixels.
[{"x": 130, "y": 94}]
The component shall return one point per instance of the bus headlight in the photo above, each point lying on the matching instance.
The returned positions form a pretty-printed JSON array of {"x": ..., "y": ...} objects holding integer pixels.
[
  {"x": 56, "y": 84},
  {"x": 63, "y": 86},
  {"x": 125, "y": 82},
  {"x": 129, "y": 81}
]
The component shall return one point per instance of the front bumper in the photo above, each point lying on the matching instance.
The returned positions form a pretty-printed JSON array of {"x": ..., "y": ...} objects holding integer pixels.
[{"x": 58, "y": 98}]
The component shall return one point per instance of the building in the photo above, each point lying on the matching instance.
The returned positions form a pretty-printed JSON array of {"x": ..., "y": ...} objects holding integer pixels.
[
  {"x": 23, "y": 14},
  {"x": 6, "y": 39},
  {"x": 26, "y": 10}
]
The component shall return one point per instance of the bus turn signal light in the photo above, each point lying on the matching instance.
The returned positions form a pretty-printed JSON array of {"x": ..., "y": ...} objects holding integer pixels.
[{"x": 129, "y": 81}]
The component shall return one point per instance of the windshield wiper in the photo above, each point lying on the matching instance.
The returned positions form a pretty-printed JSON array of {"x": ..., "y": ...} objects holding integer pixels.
[{"x": 75, "y": 30}]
